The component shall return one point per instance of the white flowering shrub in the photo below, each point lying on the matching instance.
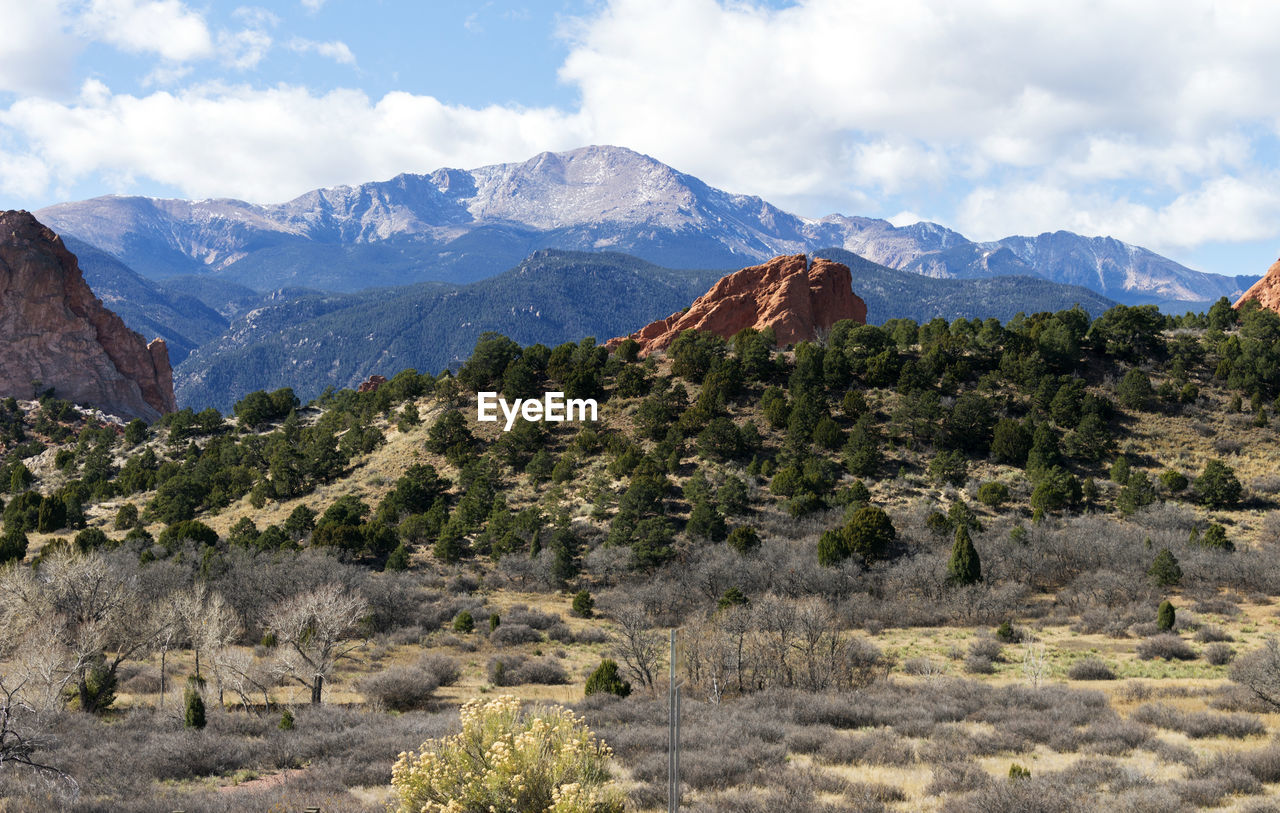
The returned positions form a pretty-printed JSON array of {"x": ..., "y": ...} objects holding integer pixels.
[{"x": 509, "y": 760}]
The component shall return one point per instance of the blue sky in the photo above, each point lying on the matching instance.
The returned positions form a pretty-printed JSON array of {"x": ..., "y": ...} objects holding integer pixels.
[{"x": 1154, "y": 122}]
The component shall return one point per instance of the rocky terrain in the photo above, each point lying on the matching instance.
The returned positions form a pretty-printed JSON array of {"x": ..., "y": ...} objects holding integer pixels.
[
  {"x": 460, "y": 226},
  {"x": 57, "y": 335},
  {"x": 1266, "y": 290},
  {"x": 787, "y": 294}
]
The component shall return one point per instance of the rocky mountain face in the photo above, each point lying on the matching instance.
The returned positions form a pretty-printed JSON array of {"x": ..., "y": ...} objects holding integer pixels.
[
  {"x": 463, "y": 225},
  {"x": 787, "y": 294},
  {"x": 1265, "y": 291},
  {"x": 57, "y": 334}
]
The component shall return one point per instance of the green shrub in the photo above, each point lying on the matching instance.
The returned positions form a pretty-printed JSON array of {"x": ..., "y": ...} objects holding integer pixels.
[
  {"x": 1166, "y": 616},
  {"x": 1165, "y": 570},
  {"x": 993, "y": 494},
  {"x": 583, "y": 604},
  {"x": 867, "y": 535},
  {"x": 1217, "y": 485},
  {"x": 607, "y": 680},
  {"x": 193, "y": 709},
  {"x": 463, "y": 622},
  {"x": 744, "y": 539},
  {"x": 1173, "y": 481}
]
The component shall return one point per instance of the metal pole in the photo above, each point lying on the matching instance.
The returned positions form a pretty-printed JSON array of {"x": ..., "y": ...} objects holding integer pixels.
[
  {"x": 677, "y": 759},
  {"x": 672, "y": 736}
]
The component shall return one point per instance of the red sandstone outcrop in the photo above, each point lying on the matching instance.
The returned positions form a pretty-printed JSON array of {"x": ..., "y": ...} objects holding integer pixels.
[
  {"x": 54, "y": 333},
  {"x": 372, "y": 383},
  {"x": 1266, "y": 290},
  {"x": 788, "y": 294}
]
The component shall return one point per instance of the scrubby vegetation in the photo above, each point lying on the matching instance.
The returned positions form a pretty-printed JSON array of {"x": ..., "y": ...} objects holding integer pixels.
[{"x": 934, "y": 550}]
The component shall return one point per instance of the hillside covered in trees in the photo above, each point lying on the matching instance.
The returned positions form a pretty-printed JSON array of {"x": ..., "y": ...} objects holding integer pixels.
[{"x": 914, "y": 547}]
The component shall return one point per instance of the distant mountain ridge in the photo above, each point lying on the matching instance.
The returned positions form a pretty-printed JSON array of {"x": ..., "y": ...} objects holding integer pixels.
[
  {"x": 460, "y": 226},
  {"x": 311, "y": 340}
]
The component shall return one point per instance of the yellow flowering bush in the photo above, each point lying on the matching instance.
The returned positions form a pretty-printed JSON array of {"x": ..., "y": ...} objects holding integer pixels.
[{"x": 509, "y": 760}]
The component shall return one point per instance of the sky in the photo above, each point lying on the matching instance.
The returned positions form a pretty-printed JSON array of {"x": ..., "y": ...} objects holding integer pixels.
[{"x": 1156, "y": 122}]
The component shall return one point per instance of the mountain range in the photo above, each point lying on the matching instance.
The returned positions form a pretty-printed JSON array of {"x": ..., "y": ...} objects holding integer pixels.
[{"x": 464, "y": 225}]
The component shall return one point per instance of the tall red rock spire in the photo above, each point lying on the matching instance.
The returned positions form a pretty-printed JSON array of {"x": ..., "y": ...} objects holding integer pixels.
[{"x": 54, "y": 333}]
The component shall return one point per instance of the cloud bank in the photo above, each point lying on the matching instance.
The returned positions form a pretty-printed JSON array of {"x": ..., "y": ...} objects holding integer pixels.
[{"x": 1154, "y": 122}]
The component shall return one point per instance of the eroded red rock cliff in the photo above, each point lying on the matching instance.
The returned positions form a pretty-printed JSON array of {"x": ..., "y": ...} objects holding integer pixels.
[
  {"x": 788, "y": 294},
  {"x": 1266, "y": 290},
  {"x": 54, "y": 333}
]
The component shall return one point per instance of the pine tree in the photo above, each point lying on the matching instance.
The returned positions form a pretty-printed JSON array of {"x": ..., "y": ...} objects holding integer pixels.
[
  {"x": 193, "y": 717},
  {"x": 964, "y": 566},
  {"x": 1165, "y": 616},
  {"x": 1164, "y": 570},
  {"x": 606, "y": 679}
]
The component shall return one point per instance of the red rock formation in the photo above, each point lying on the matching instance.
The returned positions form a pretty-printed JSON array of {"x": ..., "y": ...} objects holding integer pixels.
[
  {"x": 54, "y": 333},
  {"x": 1266, "y": 290},
  {"x": 787, "y": 294},
  {"x": 372, "y": 383}
]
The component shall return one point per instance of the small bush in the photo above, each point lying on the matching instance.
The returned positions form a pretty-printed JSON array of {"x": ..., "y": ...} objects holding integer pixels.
[
  {"x": 1167, "y": 646},
  {"x": 514, "y": 634},
  {"x": 520, "y": 614},
  {"x": 1200, "y": 724},
  {"x": 979, "y": 665},
  {"x": 517, "y": 670},
  {"x": 1091, "y": 669},
  {"x": 1219, "y": 654},
  {"x": 988, "y": 648},
  {"x": 463, "y": 622},
  {"x": 993, "y": 494},
  {"x": 400, "y": 688},
  {"x": 1209, "y": 634},
  {"x": 591, "y": 635}
]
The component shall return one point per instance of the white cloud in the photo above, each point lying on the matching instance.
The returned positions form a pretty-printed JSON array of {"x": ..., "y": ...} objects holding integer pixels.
[
  {"x": 1226, "y": 209},
  {"x": 312, "y": 5},
  {"x": 163, "y": 27},
  {"x": 335, "y": 50},
  {"x": 243, "y": 49},
  {"x": 268, "y": 145},
  {"x": 36, "y": 52}
]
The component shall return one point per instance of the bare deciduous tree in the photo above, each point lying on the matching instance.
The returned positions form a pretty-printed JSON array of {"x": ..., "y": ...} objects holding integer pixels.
[
  {"x": 637, "y": 644},
  {"x": 312, "y": 633},
  {"x": 22, "y": 733},
  {"x": 89, "y": 618},
  {"x": 211, "y": 626},
  {"x": 1259, "y": 672}
]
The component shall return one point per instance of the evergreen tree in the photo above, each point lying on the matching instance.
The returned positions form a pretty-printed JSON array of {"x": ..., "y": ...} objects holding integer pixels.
[
  {"x": 1217, "y": 485},
  {"x": 606, "y": 680},
  {"x": 398, "y": 561},
  {"x": 964, "y": 567},
  {"x": 193, "y": 714},
  {"x": 1166, "y": 616},
  {"x": 744, "y": 539},
  {"x": 1165, "y": 570},
  {"x": 583, "y": 604}
]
